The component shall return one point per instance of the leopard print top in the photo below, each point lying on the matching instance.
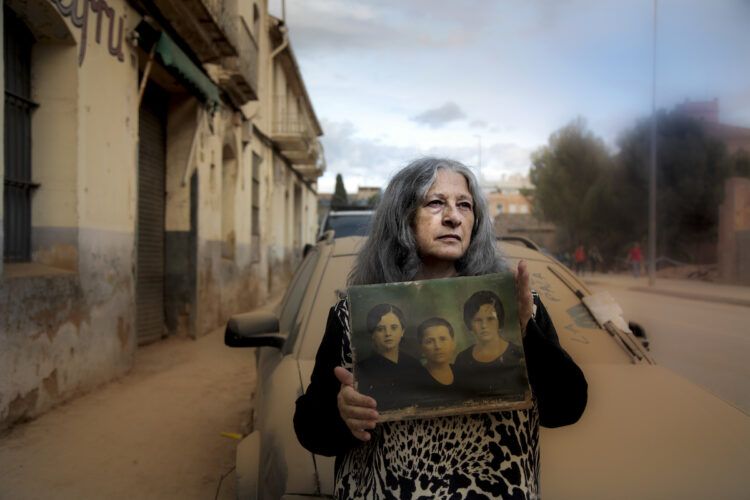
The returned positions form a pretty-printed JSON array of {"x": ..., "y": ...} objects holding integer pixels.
[{"x": 487, "y": 455}]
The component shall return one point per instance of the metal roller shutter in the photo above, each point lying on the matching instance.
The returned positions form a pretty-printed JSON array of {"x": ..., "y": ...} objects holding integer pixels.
[{"x": 151, "y": 188}]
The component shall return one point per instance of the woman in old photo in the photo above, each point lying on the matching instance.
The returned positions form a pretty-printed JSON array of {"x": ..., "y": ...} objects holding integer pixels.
[
  {"x": 388, "y": 374},
  {"x": 491, "y": 365},
  {"x": 433, "y": 222}
]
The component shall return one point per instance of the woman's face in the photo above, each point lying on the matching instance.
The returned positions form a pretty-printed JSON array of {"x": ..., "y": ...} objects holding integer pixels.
[
  {"x": 444, "y": 220},
  {"x": 387, "y": 334},
  {"x": 485, "y": 325},
  {"x": 438, "y": 346}
]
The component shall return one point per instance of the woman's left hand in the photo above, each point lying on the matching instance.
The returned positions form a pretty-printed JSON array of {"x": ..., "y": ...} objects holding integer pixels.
[{"x": 523, "y": 295}]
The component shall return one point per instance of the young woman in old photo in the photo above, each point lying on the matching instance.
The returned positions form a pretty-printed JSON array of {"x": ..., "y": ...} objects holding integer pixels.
[
  {"x": 491, "y": 365},
  {"x": 388, "y": 374}
]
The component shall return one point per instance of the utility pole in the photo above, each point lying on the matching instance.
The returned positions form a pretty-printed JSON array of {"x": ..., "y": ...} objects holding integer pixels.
[
  {"x": 652, "y": 169},
  {"x": 479, "y": 155}
]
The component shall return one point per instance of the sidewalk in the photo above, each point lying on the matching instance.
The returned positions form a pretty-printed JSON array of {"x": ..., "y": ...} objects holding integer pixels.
[
  {"x": 155, "y": 433},
  {"x": 686, "y": 289}
]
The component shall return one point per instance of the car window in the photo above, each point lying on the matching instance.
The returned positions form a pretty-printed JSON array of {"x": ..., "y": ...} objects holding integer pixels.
[
  {"x": 296, "y": 292},
  {"x": 332, "y": 283},
  {"x": 349, "y": 225}
]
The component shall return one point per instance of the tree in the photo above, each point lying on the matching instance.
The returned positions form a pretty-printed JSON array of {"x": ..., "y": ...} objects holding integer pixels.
[
  {"x": 691, "y": 168},
  {"x": 340, "y": 198},
  {"x": 563, "y": 173}
]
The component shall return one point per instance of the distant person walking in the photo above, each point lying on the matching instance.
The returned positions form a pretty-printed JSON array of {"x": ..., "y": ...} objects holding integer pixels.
[
  {"x": 635, "y": 257},
  {"x": 580, "y": 258},
  {"x": 595, "y": 258}
]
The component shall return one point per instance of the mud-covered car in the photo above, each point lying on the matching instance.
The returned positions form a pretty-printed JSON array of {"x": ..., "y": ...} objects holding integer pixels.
[{"x": 646, "y": 433}]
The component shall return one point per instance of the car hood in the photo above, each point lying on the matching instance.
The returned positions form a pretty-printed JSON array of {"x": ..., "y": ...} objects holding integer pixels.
[
  {"x": 653, "y": 434},
  {"x": 647, "y": 430}
]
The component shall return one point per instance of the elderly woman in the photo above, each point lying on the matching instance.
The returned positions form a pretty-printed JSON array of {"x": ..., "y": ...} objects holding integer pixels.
[
  {"x": 433, "y": 222},
  {"x": 388, "y": 375},
  {"x": 490, "y": 366}
]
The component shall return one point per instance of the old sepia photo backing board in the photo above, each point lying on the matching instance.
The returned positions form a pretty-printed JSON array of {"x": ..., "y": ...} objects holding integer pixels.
[{"x": 439, "y": 347}]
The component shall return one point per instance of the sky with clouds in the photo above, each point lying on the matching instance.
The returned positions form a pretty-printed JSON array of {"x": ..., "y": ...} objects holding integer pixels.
[{"x": 392, "y": 80}]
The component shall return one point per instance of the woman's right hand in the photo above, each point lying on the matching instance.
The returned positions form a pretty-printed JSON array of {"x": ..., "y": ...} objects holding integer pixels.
[{"x": 357, "y": 410}]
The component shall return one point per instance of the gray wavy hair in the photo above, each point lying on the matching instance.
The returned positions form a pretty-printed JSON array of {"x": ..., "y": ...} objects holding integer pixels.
[{"x": 390, "y": 253}]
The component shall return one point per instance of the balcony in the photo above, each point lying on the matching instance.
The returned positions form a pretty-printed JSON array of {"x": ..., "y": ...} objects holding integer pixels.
[
  {"x": 240, "y": 72},
  {"x": 218, "y": 36},
  {"x": 294, "y": 135},
  {"x": 312, "y": 171},
  {"x": 291, "y": 129}
]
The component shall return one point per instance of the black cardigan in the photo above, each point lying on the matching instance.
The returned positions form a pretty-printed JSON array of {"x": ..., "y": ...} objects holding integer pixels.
[{"x": 556, "y": 381}]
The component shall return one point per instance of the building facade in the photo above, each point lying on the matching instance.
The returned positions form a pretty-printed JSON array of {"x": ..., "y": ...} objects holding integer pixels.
[
  {"x": 707, "y": 113},
  {"x": 160, "y": 168},
  {"x": 506, "y": 195}
]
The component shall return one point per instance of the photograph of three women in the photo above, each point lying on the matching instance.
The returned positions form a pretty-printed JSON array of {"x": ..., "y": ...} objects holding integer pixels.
[{"x": 439, "y": 347}]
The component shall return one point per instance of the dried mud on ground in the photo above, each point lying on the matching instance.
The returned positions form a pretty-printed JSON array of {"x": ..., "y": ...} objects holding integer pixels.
[{"x": 155, "y": 433}]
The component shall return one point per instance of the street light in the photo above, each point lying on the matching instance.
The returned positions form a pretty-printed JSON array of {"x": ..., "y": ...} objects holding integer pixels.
[
  {"x": 479, "y": 155},
  {"x": 652, "y": 170}
]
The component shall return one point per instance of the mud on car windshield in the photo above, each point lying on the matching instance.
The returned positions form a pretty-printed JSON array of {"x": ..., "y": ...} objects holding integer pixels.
[{"x": 347, "y": 223}]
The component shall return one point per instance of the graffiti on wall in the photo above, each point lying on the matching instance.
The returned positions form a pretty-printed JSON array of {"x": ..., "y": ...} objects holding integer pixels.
[{"x": 78, "y": 12}]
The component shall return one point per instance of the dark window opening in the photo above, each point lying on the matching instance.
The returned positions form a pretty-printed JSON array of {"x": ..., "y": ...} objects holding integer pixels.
[{"x": 18, "y": 184}]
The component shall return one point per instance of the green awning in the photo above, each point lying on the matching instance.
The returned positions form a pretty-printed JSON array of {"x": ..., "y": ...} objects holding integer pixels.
[{"x": 179, "y": 64}]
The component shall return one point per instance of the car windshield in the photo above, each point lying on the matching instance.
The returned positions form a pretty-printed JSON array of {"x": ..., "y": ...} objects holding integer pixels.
[{"x": 357, "y": 224}]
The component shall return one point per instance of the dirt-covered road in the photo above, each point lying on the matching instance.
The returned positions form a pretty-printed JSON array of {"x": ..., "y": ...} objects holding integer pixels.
[{"x": 155, "y": 433}]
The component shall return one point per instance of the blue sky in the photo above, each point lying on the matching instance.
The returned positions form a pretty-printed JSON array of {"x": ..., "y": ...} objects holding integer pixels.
[{"x": 396, "y": 79}]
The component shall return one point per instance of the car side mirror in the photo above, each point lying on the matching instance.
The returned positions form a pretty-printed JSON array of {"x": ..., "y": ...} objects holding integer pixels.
[{"x": 254, "y": 329}]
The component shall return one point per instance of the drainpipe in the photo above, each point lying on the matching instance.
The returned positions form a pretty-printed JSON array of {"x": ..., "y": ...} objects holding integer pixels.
[{"x": 284, "y": 43}]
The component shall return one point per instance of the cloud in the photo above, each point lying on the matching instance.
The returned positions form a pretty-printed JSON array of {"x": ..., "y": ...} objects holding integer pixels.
[
  {"x": 503, "y": 158},
  {"x": 341, "y": 25},
  {"x": 478, "y": 124},
  {"x": 364, "y": 161},
  {"x": 438, "y": 117},
  {"x": 360, "y": 160}
]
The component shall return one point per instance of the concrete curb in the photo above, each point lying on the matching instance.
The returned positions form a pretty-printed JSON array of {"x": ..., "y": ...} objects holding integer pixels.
[
  {"x": 693, "y": 296},
  {"x": 706, "y": 297}
]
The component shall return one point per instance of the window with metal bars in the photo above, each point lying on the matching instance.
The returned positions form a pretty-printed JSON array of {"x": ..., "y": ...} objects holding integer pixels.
[{"x": 18, "y": 184}]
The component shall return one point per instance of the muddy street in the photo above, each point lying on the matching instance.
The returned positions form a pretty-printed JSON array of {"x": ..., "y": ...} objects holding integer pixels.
[{"x": 156, "y": 433}]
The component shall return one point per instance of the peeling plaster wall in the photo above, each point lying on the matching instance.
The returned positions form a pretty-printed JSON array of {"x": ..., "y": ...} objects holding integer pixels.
[
  {"x": 68, "y": 317},
  {"x": 63, "y": 334},
  {"x": 277, "y": 221},
  {"x": 179, "y": 236},
  {"x": 734, "y": 232},
  {"x": 227, "y": 283},
  {"x": 69, "y": 325}
]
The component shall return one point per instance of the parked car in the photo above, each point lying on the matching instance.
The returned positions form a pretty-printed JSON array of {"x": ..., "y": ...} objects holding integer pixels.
[
  {"x": 347, "y": 223},
  {"x": 646, "y": 433}
]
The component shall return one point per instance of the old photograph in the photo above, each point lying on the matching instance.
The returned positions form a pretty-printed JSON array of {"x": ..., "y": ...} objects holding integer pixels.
[{"x": 439, "y": 347}]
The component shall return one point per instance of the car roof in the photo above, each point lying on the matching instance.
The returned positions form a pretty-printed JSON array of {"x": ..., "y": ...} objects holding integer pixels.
[{"x": 348, "y": 245}]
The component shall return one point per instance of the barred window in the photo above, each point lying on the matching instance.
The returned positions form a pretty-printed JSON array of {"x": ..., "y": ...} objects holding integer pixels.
[{"x": 18, "y": 184}]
